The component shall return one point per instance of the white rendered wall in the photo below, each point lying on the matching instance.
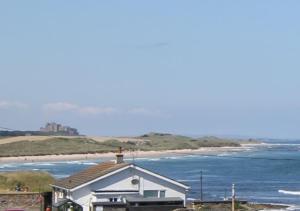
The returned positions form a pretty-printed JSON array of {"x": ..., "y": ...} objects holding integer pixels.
[
  {"x": 121, "y": 181},
  {"x": 83, "y": 197}
]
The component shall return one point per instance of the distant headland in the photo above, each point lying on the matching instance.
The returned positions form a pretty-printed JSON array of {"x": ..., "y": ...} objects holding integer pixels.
[
  {"x": 44, "y": 145},
  {"x": 50, "y": 129}
]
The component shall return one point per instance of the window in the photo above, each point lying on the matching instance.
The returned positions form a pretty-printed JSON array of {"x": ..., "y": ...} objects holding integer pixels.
[
  {"x": 150, "y": 193},
  {"x": 113, "y": 199},
  {"x": 162, "y": 194}
]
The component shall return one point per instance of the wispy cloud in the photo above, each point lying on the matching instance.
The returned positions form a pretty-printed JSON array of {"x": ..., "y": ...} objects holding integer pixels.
[
  {"x": 159, "y": 44},
  {"x": 154, "y": 45},
  {"x": 60, "y": 106},
  {"x": 4, "y": 104},
  {"x": 67, "y": 107},
  {"x": 144, "y": 111},
  {"x": 71, "y": 107},
  {"x": 97, "y": 110}
]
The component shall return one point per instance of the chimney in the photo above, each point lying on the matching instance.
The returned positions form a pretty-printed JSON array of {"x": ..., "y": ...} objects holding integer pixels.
[{"x": 119, "y": 156}]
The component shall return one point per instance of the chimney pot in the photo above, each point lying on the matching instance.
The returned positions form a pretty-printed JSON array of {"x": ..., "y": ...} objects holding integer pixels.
[{"x": 119, "y": 156}]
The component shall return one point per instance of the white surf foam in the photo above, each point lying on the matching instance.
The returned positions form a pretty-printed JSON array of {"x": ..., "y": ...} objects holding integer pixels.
[
  {"x": 7, "y": 166},
  {"x": 188, "y": 180},
  {"x": 45, "y": 164},
  {"x": 289, "y": 192},
  {"x": 59, "y": 176},
  {"x": 89, "y": 163},
  {"x": 293, "y": 207},
  {"x": 173, "y": 158},
  {"x": 155, "y": 159},
  {"x": 74, "y": 162}
]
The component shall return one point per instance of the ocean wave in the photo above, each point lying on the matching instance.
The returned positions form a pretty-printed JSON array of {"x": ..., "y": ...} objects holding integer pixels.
[
  {"x": 224, "y": 154},
  {"x": 194, "y": 171},
  {"x": 280, "y": 144},
  {"x": 191, "y": 156},
  {"x": 90, "y": 163},
  {"x": 188, "y": 180},
  {"x": 59, "y": 176},
  {"x": 29, "y": 164},
  {"x": 75, "y": 162},
  {"x": 143, "y": 158},
  {"x": 38, "y": 164},
  {"x": 147, "y": 159},
  {"x": 293, "y": 207},
  {"x": 289, "y": 192},
  {"x": 45, "y": 164},
  {"x": 154, "y": 159},
  {"x": 174, "y": 157},
  {"x": 7, "y": 166}
]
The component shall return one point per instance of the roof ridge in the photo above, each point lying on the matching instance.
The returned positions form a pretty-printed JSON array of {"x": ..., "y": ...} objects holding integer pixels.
[{"x": 89, "y": 174}]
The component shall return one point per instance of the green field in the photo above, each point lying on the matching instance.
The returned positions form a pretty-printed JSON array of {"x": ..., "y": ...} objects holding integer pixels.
[{"x": 81, "y": 145}]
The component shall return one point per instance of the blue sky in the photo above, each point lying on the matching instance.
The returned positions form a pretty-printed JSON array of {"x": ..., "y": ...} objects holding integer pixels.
[{"x": 127, "y": 68}]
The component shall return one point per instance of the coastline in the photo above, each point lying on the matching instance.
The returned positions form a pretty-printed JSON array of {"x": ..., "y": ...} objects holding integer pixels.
[
  {"x": 127, "y": 154},
  {"x": 219, "y": 151}
]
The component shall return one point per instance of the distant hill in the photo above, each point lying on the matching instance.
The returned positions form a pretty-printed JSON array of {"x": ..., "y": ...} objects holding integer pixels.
[
  {"x": 48, "y": 145},
  {"x": 15, "y": 133},
  {"x": 164, "y": 140},
  {"x": 31, "y": 133}
]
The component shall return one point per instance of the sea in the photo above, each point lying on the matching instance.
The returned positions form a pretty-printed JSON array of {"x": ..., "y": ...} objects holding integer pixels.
[{"x": 265, "y": 173}]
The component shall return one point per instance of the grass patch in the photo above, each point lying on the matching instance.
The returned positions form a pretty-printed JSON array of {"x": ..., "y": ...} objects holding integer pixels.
[
  {"x": 165, "y": 141},
  {"x": 34, "y": 181}
]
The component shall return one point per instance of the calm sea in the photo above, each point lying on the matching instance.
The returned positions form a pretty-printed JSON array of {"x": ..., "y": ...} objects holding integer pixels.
[{"x": 268, "y": 174}]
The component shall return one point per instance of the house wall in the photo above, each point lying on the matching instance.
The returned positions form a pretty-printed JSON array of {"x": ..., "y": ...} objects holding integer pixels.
[
  {"x": 58, "y": 194},
  {"x": 83, "y": 197},
  {"x": 121, "y": 181},
  {"x": 154, "y": 208}
]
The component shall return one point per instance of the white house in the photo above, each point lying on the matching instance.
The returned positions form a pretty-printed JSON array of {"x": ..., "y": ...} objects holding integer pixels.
[{"x": 118, "y": 186}]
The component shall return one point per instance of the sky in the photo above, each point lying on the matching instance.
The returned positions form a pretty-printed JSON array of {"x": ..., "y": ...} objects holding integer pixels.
[{"x": 131, "y": 67}]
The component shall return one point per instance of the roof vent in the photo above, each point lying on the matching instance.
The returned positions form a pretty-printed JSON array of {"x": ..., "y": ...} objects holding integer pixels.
[{"x": 119, "y": 156}]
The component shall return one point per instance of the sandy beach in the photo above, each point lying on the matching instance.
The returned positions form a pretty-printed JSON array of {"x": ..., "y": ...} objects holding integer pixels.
[{"x": 127, "y": 154}]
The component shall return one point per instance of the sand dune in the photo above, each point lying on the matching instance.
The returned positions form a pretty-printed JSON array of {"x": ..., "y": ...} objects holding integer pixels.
[{"x": 43, "y": 138}]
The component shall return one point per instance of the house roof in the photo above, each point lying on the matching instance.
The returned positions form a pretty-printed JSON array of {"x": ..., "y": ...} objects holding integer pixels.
[
  {"x": 88, "y": 175},
  {"x": 152, "y": 199},
  {"x": 101, "y": 170}
]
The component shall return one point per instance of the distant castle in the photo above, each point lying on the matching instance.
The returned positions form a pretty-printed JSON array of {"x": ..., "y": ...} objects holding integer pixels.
[{"x": 53, "y": 127}]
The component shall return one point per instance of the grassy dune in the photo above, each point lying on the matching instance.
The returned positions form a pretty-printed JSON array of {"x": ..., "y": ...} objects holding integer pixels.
[
  {"x": 7, "y": 140},
  {"x": 34, "y": 181},
  {"x": 82, "y": 145}
]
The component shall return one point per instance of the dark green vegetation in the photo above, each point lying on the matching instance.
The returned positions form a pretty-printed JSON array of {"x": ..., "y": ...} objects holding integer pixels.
[
  {"x": 81, "y": 145},
  {"x": 32, "y": 181},
  {"x": 54, "y": 146},
  {"x": 163, "y": 141},
  {"x": 5, "y": 134}
]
